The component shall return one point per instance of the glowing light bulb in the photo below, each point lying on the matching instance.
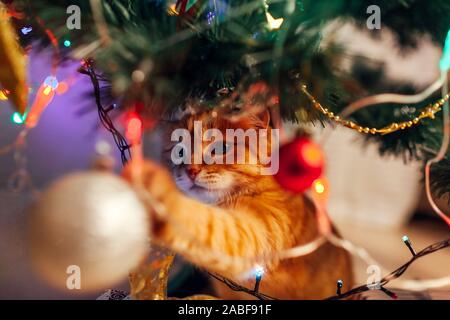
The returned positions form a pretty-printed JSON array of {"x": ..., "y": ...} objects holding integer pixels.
[
  {"x": 51, "y": 82},
  {"x": 17, "y": 118},
  {"x": 44, "y": 96},
  {"x": 408, "y": 243},
  {"x": 67, "y": 43},
  {"x": 319, "y": 194},
  {"x": 444, "y": 64},
  {"x": 259, "y": 271},
  {"x": 339, "y": 286},
  {"x": 210, "y": 16},
  {"x": 4, "y": 94},
  {"x": 26, "y": 30},
  {"x": 172, "y": 9},
  {"x": 134, "y": 129},
  {"x": 103, "y": 147},
  {"x": 320, "y": 190},
  {"x": 47, "y": 90},
  {"x": 319, "y": 186},
  {"x": 273, "y": 23}
]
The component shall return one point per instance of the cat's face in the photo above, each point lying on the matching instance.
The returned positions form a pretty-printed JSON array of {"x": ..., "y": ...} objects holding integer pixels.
[{"x": 215, "y": 182}]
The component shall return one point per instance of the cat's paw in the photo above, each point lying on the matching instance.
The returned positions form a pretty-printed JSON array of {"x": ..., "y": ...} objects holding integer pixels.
[{"x": 154, "y": 178}]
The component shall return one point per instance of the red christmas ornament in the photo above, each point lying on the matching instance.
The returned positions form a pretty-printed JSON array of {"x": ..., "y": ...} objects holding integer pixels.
[
  {"x": 186, "y": 7},
  {"x": 301, "y": 162}
]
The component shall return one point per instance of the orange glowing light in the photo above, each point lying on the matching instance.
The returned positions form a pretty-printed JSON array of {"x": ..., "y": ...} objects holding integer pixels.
[
  {"x": 172, "y": 10},
  {"x": 320, "y": 197},
  {"x": 43, "y": 98},
  {"x": 62, "y": 88},
  {"x": 4, "y": 94},
  {"x": 319, "y": 186},
  {"x": 312, "y": 155},
  {"x": 320, "y": 191}
]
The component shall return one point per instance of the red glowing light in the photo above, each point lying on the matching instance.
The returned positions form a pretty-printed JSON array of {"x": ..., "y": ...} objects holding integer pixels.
[{"x": 134, "y": 129}]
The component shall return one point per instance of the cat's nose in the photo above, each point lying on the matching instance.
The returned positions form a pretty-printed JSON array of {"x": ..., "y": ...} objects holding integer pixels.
[{"x": 192, "y": 172}]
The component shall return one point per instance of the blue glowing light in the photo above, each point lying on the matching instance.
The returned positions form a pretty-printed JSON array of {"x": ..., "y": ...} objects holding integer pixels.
[
  {"x": 210, "y": 17},
  {"x": 67, "y": 43},
  {"x": 17, "y": 118},
  {"x": 52, "y": 82},
  {"x": 444, "y": 64},
  {"x": 26, "y": 30},
  {"x": 259, "y": 271}
]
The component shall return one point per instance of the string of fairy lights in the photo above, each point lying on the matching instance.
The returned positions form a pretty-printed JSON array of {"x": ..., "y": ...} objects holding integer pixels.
[
  {"x": 257, "y": 262},
  {"x": 103, "y": 113},
  {"x": 49, "y": 89},
  {"x": 379, "y": 285}
]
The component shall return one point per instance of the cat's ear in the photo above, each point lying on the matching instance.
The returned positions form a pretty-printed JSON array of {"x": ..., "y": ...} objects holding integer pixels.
[
  {"x": 261, "y": 118},
  {"x": 254, "y": 118}
]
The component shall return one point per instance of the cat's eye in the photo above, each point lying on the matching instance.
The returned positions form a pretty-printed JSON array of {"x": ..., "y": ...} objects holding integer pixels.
[
  {"x": 178, "y": 152},
  {"x": 220, "y": 148}
]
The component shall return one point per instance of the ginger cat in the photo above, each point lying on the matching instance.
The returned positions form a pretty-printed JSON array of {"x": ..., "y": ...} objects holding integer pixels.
[{"x": 218, "y": 211}]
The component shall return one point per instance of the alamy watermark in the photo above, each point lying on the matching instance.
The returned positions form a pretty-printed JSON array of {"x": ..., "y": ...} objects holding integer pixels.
[
  {"x": 74, "y": 279},
  {"x": 239, "y": 146},
  {"x": 374, "y": 20},
  {"x": 74, "y": 19},
  {"x": 374, "y": 278}
]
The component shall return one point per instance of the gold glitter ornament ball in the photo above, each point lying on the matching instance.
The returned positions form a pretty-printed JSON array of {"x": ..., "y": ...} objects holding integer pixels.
[{"x": 87, "y": 231}]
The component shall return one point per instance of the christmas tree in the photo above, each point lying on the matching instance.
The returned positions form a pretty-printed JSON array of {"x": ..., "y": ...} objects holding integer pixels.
[{"x": 193, "y": 49}]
